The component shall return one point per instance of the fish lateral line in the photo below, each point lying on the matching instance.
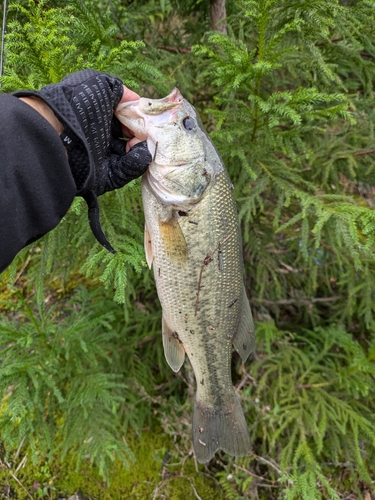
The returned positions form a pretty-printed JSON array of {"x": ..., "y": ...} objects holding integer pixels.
[{"x": 206, "y": 261}]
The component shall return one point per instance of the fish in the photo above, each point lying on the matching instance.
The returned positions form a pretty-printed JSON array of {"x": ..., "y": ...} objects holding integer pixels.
[{"x": 193, "y": 243}]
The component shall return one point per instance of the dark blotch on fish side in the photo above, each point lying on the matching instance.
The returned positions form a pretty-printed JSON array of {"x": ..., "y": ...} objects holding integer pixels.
[
  {"x": 175, "y": 336},
  {"x": 232, "y": 303},
  {"x": 207, "y": 260},
  {"x": 193, "y": 222},
  {"x": 202, "y": 381},
  {"x": 181, "y": 213}
]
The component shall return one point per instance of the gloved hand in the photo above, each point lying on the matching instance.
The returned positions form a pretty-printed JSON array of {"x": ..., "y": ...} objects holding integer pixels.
[
  {"x": 84, "y": 102},
  {"x": 120, "y": 167}
]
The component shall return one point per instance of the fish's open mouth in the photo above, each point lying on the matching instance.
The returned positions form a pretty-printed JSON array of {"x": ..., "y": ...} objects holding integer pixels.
[
  {"x": 136, "y": 115},
  {"x": 126, "y": 132},
  {"x": 134, "y": 126}
]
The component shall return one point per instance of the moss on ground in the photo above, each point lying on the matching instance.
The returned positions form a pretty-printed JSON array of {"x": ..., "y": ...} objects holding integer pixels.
[{"x": 145, "y": 478}]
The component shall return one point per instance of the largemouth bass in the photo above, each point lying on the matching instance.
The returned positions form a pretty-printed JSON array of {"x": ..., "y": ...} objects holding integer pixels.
[{"x": 193, "y": 243}]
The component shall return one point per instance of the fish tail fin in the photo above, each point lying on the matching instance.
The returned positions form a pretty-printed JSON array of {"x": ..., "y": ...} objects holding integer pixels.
[{"x": 220, "y": 428}]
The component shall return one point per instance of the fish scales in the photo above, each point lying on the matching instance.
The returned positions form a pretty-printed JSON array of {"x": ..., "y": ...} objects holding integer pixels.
[
  {"x": 177, "y": 288},
  {"x": 193, "y": 242}
]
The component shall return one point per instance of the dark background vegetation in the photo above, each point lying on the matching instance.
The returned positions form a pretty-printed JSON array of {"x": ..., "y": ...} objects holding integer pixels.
[{"x": 285, "y": 89}]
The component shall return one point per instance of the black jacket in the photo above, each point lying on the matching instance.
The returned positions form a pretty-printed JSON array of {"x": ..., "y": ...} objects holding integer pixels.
[{"x": 36, "y": 184}]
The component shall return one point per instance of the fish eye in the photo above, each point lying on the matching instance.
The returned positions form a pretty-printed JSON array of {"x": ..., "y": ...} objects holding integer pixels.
[{"x": 188, "y": 123}]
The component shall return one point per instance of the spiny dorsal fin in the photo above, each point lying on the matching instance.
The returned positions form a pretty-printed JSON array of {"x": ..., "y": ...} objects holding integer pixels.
[
  {"x": 173, "y": 349},
  {"x": 244, "y": 339}
]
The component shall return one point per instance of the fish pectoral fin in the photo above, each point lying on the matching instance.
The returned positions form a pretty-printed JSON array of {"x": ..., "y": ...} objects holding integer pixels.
[
  {"x": 173, "y": 349},
  {"x": 222, "y": 428},
  {"x": 148, "y": 247},
  {"x": 174, "y": 242},
  {"x": 244, "y": 338}
]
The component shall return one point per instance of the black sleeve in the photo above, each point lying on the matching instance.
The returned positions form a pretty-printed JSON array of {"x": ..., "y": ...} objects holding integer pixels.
[{"x": 36, "y": 184}]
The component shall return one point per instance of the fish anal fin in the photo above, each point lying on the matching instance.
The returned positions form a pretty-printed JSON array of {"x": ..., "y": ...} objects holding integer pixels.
[
  {"x": 220, "y": 429},
  {"x": 173, "y": 349},
  {"x": 244, "y": 338},
  {"x": 174, "y": 242},
  {"x": 148, "y": 247}
]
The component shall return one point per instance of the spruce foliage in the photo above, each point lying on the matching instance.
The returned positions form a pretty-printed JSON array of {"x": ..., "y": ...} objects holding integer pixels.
[{"x": 287, "y": 97}]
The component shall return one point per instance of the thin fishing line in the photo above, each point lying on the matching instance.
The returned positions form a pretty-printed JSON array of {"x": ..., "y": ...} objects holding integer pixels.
[{"x": 3, "y": 37}]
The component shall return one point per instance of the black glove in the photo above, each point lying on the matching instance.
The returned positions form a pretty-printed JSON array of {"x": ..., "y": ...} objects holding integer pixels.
[
  {"x": 84, "y": 102},
  {"x": 121, "y": 167}
]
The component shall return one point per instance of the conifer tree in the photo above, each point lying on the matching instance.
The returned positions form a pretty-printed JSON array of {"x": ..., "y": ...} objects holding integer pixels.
[{"x": 287, "y": 96}]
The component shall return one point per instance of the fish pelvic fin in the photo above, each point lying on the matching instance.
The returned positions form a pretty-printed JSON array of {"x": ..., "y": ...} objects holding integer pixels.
[
  {"x": 220, "y": 429},
  {"x": 174, "y": 242},
  {"x": 148, "y": 247},
  {"x": 173, "y": 349},
  {"x": 244, "y": 338}
]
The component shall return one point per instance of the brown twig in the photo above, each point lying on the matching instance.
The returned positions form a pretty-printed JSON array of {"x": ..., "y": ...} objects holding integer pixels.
[
  {"x": 364, "y": 152},
  {"x": 253, "y": 474},
  {"x": 206, "y": 261},
  {"x": 19, "y": 448},
  {"x": 268, "y": 462},
  {"x": 2, "y": 464},
  {"x": 312, "y": 386},
  {"x": 176, "y": 50},
  {"x": 146, "y": 340},
  {"x": 286, "y": 302},
  {"x": 24, "y": 265}
]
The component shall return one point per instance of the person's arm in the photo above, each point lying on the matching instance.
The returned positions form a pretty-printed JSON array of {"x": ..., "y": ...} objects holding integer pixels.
[
  {"x": 57, "y": 143},
  {"x": 36, "y": 183},
  {"x": 43, "y": 109}
]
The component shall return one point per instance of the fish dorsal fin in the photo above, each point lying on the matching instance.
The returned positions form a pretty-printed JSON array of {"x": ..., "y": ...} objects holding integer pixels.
[
  {"x": 148, "y": 247},
  {"x": 173, "y": 241},
  {"x": 173, "y": 349},
  {"x": 244, "y": 339}
]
